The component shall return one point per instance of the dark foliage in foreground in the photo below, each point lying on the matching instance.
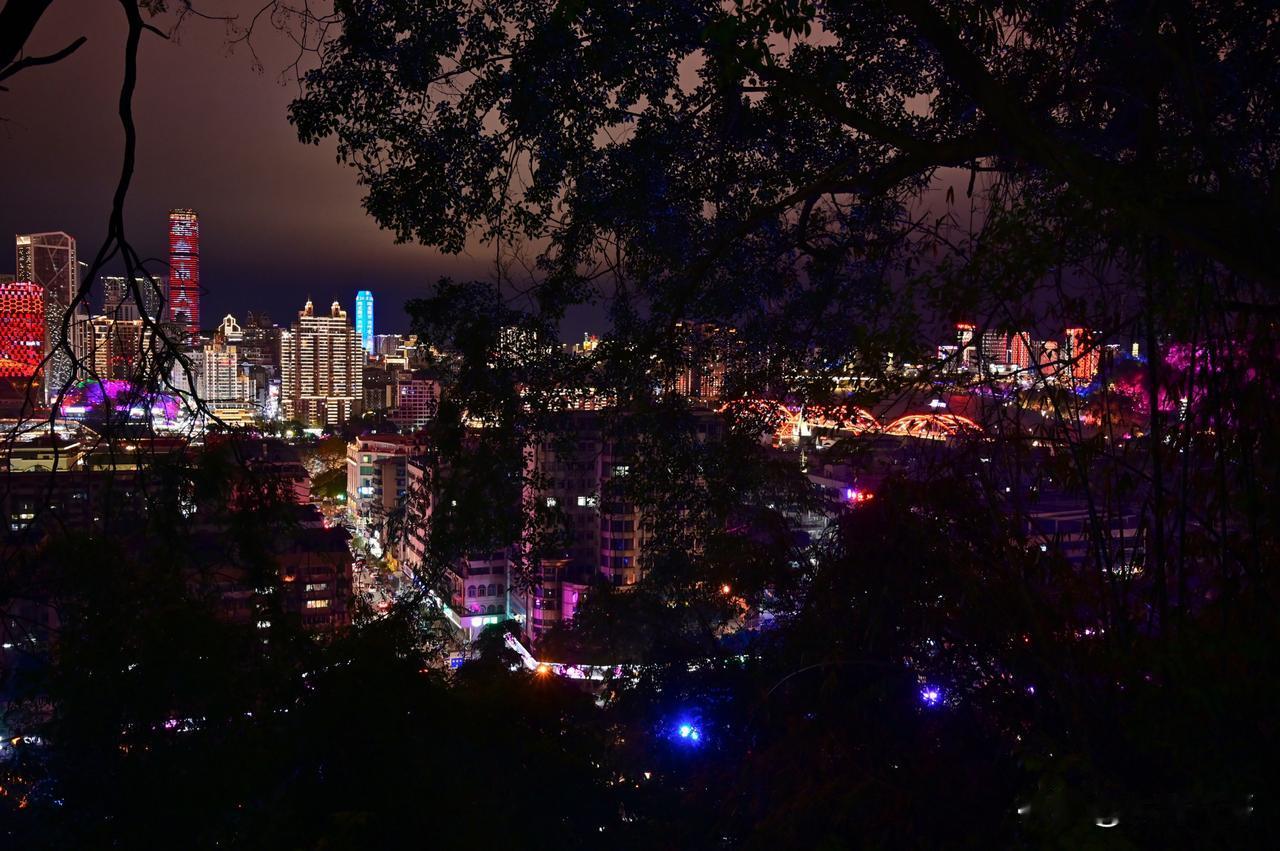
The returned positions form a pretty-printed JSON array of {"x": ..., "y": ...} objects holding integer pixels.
[{"x": 163, "y": 724}]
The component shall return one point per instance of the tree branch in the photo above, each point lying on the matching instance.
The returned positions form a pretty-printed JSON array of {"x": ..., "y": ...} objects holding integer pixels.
[{"x": 32, "y": 61}]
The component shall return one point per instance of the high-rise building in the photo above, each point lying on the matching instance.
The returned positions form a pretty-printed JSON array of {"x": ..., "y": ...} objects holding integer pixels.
[
  {"x": 1021, "y": 350},
  {"x": 705, "y": 351},
  {"x": 590, "y": 342},
  {"x": 417, "y": 398},
  {"x": 321, "y": 368},
  {"x": 184, "y": 271},
  {"x": 120, "y": 302},
  {"x": 1050, "y": 358},
  {"x": 376, "y": 473},
  {"x": 1082, "y": 354},
  {"x": 386, "y": 344},
  {"x": 260, "y": 341},
  {"x": 221, "y": 384},
  {"x": 995, "y": 348},
  {"x": 964, "y": 344},
  {"x": 115, "y": 348},
  {"x": 404, "y": 355},
  {"x": 117, "y": 301},
  {"x": 379, "y": 388},
  {"x": 229, "y": 331},
  {"x": 49, "y": 260},
  {"x": 21, "y": 329},
  {"x": 364, "y": 319}
]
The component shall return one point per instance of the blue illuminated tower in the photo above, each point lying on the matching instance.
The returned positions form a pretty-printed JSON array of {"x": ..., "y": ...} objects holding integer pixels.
[{"x": 364, "y": 319}]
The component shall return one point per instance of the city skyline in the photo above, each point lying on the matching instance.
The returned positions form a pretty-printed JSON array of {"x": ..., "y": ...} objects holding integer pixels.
[{"x": 280, "y": 219}]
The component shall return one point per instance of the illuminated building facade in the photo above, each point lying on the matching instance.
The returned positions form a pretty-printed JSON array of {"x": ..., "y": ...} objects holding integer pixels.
[
  {"x": 1049, "y": 358},
  {"x": 387, "y": 344},
  {"x": 119, "y": 301},
  {"x": 995, "y": 348},
  {"x": 364, "y": 319},
  {"x": 376, "y": 472},
  {"x": 705, "y": 352},
  {"x": 184, "y": 271},
  {"x": 221, "y": 385},
  {"x": 1021, "y": 350},
  {"x": 1082, "y": 354},
  {"x": 49, "y": 260},
  {"x": 115, "y": 348},
  {"x": 321, "y": 368},
  {"x": 378, "y": 483},
  {"x": 964, "y": 344},
  {"x": 417, "y": 397},
  {"x": 22, "y": 331},
  {"x": 260, "y": 341},
  {"x": 229, "y": 331}
]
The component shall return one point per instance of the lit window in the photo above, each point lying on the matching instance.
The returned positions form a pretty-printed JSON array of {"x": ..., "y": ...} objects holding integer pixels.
[
  {"x": 317, "y": 604},
  {"x": 551, "y": 502},
  {"x": 317, "y": 586}
]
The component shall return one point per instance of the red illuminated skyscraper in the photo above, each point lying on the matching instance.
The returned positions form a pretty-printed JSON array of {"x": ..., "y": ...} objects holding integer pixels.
[
  {"x": 184, "y": 270},
  {"x": 1083, "y": 354},
  {"x": 1021, "y": 351},
  {"x": 21, "y": 328}
]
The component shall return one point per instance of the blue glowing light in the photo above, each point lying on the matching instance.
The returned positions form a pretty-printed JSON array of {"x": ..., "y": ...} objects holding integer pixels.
[
  {"x": 688, "y": 733},
  {"x": 930, "y": 695},
  {"x": 364, "y": 319}
]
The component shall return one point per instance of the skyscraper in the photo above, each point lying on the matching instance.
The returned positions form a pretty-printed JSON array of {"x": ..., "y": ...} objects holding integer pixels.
[
  {"x": 1082, "y": 354},
  {"x": 964, "y": 344},
  {"x": 221, "y": 384},
  {"x": 260, "y": 341},
  {"x": 1021, "y": 350},
  {"x": 995, "y": 347},
  {"x": 184, "y": 270},
  {"x": 21, "y": 329},
  {"x": 364, "y": 319},
  {"x": 321, "y": 368},
  {"x": 705, "y": 352},
  {"x": 119, "y": 302},
  {"x": 49, "y": 260}
]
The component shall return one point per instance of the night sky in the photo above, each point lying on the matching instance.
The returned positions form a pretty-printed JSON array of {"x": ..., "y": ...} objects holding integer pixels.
[{"x": 279, "y": 220}]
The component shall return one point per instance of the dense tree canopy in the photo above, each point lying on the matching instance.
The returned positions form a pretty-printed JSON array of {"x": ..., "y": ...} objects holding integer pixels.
[{"x": 679, "y": 155}]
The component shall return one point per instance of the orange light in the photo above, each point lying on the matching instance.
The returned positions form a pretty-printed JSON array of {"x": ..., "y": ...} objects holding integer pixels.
[
  {"x": 544, "y": 669},
  {"x": 725, "y": 589}
]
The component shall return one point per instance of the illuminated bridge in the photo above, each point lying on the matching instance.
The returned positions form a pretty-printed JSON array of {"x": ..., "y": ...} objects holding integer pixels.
[{"x": 790, "y": 423}]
